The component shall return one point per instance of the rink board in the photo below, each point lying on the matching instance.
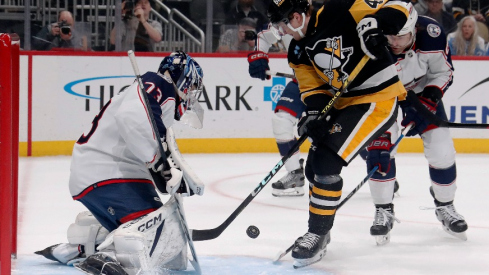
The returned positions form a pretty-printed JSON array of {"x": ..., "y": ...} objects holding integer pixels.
[{"x": 62, "y": 92}]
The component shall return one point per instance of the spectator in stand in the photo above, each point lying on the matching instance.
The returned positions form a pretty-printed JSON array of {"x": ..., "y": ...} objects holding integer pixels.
[
  {"x": 478, "y": 8},
  {"x": 421, "y": 6},
  {"x": 435, "y": 11},
  {"x": 60, "y": 34},
  {"x": 235, "y": 39},
  {"x": 466, "y": 40},
  {"x": 139, "y": 33},
  {"x": 246, "y": 9}
]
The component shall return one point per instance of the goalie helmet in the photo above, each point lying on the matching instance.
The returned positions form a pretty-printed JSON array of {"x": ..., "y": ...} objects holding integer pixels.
[
  {"x": 187, "y": 75},
  {"x": 279, "y": 10}
]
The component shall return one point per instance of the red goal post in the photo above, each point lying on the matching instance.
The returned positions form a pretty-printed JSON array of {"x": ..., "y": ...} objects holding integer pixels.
[{"x": 9, "y": 148}]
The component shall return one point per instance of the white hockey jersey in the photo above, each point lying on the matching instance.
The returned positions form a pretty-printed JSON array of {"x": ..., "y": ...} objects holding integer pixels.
[
  {"x": 428, "y": 62},
  {"x": 121, "y": 140}
]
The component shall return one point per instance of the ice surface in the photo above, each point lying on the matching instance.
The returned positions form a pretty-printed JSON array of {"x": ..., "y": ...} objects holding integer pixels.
[{"x": 418, "y": 244}]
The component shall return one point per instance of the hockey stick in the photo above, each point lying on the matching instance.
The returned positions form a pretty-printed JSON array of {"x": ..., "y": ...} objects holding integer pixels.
[
  {"x": 144, "y": 95},
  {"x": 370, "y": 174},
  {"x": 272, "y": 73},
  {"x": 433, "y": 119},
  {"x": 208, "y": 234}
]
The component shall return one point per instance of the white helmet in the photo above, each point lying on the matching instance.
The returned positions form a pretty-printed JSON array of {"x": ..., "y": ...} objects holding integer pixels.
[{"x": 410, "y": 25}]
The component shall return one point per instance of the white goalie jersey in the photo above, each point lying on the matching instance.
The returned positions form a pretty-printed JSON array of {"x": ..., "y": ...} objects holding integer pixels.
[{"x": 121, "y": 140}]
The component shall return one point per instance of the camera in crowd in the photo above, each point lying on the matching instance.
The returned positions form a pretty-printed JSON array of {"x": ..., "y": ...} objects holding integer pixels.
[
  {"x": 64, "y": 27},
  {"x": 128, "y": 9},
  {"x": 250, "y": 35}
]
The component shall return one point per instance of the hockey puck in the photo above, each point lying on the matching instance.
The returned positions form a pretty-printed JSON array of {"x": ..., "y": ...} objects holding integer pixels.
[{"x": 253, "y": 231}]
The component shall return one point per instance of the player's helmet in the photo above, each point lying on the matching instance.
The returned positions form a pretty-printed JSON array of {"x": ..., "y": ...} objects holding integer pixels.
[
  {"x": 183, "y": 69},
  {"x": 187, "y": 75},
  {"x": 410, "y": 25},
  {"x": 279, "y": 10}
]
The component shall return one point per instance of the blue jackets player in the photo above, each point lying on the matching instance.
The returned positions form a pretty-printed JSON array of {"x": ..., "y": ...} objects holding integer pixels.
[
  {"x": 424, "y": 65},
  {"x": 288, "y": 110},
  {"x": 116, "y": 171}
]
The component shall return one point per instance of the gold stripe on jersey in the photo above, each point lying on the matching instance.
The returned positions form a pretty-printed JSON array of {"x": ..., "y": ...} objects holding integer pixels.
[
  {"x": 317, "y": 15},
  {"x": 308, "y": 78},
  {"x": 368, "y": 126},
  {"x": 394, "y": 90},
  {"x": 361, "y": 8}
]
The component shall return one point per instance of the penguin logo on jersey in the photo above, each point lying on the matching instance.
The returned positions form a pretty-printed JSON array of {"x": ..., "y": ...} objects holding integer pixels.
[
  {"x": 373, "y": 3},
  {"x": 335, "y": 129},
  {"x": 328, "y": 58}
]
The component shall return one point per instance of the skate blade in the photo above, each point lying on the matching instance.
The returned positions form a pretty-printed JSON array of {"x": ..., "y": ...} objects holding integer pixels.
[
  {"x": 300, "y": 263},
  {"x": 290, "y": 192},
  {"x": 462, "y": 235},
  {"x": 383, "y": 239}
]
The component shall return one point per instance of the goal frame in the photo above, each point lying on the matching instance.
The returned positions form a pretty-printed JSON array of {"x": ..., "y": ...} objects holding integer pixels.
[{"x": 9, "y": 148}]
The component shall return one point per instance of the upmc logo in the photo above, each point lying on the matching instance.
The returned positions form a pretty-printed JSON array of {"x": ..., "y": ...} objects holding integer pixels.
[{"x": 97, "y": 88}]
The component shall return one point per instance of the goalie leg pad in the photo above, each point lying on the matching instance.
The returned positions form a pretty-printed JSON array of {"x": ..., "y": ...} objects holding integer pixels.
[
  {"x": 150, "y": 241},
  {"x": 86, "y": 231}
]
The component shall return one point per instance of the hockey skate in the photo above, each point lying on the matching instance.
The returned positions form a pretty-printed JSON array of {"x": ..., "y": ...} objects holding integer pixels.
[
  {"x": 291, "y": 185},
  {"x": 383, "y": 223},
  {"x": 310, "y": 249},
  {"x": 453, "y": 223}
]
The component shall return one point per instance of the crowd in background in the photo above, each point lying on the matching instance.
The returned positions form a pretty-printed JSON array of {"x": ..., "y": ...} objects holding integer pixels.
[{"x": 464, "y": 21}]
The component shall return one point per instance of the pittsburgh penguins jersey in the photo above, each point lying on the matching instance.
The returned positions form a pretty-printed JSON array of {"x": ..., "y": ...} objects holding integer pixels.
[
  {"x": 331, "y": 49},
  {"x": 428, "y": 61},
  {"x": 121, "y": 140}
]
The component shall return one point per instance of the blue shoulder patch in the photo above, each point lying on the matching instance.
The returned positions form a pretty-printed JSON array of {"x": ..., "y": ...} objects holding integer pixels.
[{"x": 430, "y": 35}]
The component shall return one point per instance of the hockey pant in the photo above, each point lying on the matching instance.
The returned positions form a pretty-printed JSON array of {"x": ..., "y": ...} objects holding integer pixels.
[
  {"x": 351, "y": 129},
  {"x": 440, "y": 153}
]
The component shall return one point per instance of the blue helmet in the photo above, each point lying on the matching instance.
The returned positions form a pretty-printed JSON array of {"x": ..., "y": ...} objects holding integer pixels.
[
  {"x": 187, "y": 75},
  {"x": 184, "y": 71}
]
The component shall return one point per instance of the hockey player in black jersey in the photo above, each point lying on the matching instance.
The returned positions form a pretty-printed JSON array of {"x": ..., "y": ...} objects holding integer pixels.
[
  {"x": 424, "y": 63},
  {"x": 328, "y": 44}
]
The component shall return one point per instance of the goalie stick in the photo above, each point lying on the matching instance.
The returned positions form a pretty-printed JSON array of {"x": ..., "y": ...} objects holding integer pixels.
[
  {"x": 132, "y": 58},
  {"x": 434, "y": 119},
  {"x": 272, "y": 73},
  {"x": 208, "y": 234},
  {"x": 280, "y": 255}
]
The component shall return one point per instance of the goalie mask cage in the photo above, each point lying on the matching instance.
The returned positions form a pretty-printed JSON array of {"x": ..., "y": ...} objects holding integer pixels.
[{"x": 9, "y": 148}]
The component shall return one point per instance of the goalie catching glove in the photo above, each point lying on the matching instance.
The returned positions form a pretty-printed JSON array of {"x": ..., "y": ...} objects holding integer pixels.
[{"x": 174, "y": 175}]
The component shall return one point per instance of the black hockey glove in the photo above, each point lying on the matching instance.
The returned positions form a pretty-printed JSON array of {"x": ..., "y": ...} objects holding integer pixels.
[
  {"x": 429, "y": 98},
  {"x": 258, "y": 65},
  {"x": 372, "y": 40},
  {"x": 378, "y": 153},
  {"x": 310, "y": 125}
]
